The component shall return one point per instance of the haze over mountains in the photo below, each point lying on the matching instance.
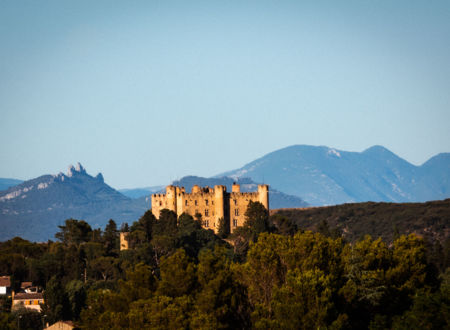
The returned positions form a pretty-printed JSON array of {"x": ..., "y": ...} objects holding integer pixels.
[
  {"x": 326, "y": 176},
  {"x": 297, "y": 175},
  {"x": 6, "y": 183},
  {"x": 34, "y": 208}
]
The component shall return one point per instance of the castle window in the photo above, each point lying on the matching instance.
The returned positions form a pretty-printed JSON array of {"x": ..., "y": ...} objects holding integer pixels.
[
  {"x": 206, "y": 213},
  {"x": 236, "y": 211},
  {"x": 206, "y": 223},
  {"x": 235, "y": 202},
  {"x": 212, "y": 202},
  {"x": 206, "y": 202},
  {"x": 234, "y": 222},
  {"x": 186, "y": 202},
  {"x": 160, "y": 203},
  {"x": 195, "y": 203}
]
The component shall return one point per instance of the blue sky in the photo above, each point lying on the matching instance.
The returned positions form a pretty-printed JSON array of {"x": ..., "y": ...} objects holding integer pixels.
[{"x": 150, "y": 91}]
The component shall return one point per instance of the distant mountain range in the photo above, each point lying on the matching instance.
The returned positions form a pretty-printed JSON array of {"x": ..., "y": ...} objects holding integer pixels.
[
  {"x": 6, "y": 183},
  {"x": 297, "y": 175},
  {"x": 141, "y": 192},
  {"x": 326, "y": 176},
  {"x": 34, "y": 208}
]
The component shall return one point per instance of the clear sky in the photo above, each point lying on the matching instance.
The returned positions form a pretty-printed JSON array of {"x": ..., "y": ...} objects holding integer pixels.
[{"x": 150, "y": 91}]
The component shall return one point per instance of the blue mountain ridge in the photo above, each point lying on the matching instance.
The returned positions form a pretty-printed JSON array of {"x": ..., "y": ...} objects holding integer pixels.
[
  {"x": 35, "y": 208},
  {"x": 297, "y": 175},
  {"x": 5, "y": 183},
  {"x": 327, "y": 176}
]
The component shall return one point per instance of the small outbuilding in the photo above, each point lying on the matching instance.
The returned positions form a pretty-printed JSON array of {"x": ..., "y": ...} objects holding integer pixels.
[{"x": 5, "y": 285}]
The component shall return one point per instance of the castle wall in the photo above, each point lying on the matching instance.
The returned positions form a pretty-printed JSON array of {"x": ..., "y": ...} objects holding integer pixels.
[{"x": 211, "y": 203}]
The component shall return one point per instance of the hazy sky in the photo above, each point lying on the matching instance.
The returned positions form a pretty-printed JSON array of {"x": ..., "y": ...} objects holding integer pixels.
[{"x": 150, "y": 91}]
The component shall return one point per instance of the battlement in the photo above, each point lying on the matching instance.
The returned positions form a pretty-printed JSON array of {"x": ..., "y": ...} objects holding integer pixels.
[{"x": 211, "y": 203}]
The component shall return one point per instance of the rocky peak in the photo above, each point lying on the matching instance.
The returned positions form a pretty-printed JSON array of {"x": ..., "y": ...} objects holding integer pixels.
[
  {"x": 99, "y": 177},
  {"x": 77, "y": 169}
]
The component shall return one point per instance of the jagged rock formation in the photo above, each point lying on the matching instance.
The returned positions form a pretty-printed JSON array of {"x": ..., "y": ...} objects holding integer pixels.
[{"x": 34, "y": 208}]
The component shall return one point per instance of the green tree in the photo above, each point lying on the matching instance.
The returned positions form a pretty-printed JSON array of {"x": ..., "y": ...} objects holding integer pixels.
[
  {"x": 74, "y": 232},
  {"x": 166, "y": 224},
  {"x": 76, "y": 294},
  {"x": 111, "y": 237},
  {"x": 105, "y": 310},
  {"x": 410, "y": 269},
  {"x": 221, "y": 301},
  {"x": 224, "y": 228},
  {"x": 256, "y": 219},
  {"x": 264, "y": 270},
  {"x": 366, "y": 289},
  {"x": 56, "y": 301},
  {"x": 430, "y": 310},
  {"x": 283, "y": 225},
  {"x": 303, "y": 302},
  {"x": 146, "y": 224},
  {"x": 177, "y": 275},
  {"x": 140, "y": 283},
  {"x": 160, "y": 312},
  {"x": 104, "y": 268},
  {"x": 25, "y": 319},
  {"x": 187, "y": 225}
]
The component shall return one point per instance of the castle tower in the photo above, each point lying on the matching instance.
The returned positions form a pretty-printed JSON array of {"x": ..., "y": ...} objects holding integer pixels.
[
  {"x": 263, "y": 195},
  {"x": 235, "y": 188},
  {"x": 171, "y": 198},
  {"x": 123, "y": 241},
  {"x": 219, "y": 205},
  {"x": 180, "y": 200}
]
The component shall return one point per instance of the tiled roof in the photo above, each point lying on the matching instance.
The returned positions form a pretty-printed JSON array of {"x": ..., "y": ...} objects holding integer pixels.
[
  {"x": 24, "y": 285},
  {"x": 21, "y": 295},
  {"x": 5, "y": 281}
]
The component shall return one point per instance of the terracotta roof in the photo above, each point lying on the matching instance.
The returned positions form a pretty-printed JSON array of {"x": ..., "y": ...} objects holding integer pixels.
[
  {"x": 24, "y": 285},
  {"x": 21, "y": 295},
  {"x": 5, "y": 281}
]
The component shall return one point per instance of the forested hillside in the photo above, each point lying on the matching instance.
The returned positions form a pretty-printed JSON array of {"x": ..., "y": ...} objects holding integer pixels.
[
  {"x": 267, "y": 274},
  {"x": 386, "y": 220}
]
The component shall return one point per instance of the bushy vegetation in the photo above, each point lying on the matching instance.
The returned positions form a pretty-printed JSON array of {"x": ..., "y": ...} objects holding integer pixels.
[
  {"x": 267, "y": 274},
  {"x": 385, "y": 220}
]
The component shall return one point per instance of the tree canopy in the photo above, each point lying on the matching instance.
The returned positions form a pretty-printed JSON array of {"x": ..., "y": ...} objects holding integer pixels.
[{"x": 273, "y": 275}]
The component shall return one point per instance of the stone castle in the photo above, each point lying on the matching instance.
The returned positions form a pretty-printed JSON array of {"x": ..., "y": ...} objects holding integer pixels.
[{"x": 212, "y": 203}]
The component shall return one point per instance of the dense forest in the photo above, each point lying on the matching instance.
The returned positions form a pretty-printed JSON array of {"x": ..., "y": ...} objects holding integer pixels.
[
  {"x": 270, "y": 273},
  {"x": 386, "y": 220}
]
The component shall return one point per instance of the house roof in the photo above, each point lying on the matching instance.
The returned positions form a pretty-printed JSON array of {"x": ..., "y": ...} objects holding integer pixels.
[
  {"x": 21, "y": 295},
  {"x": 60, "y": 325},
  {"x": 24, "y": 285},
  {"x": 5, "y": 281}
]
